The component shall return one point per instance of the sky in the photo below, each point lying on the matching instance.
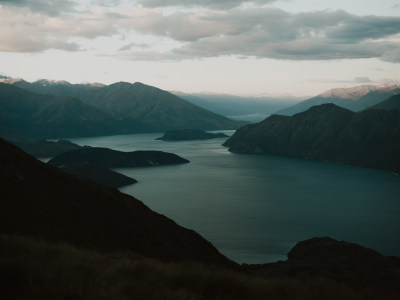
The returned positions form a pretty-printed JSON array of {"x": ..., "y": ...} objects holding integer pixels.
[{"x": 253, "y": 48}]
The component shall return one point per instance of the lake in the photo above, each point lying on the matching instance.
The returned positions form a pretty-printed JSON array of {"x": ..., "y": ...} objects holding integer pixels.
[{"x": 255, "y": 208}]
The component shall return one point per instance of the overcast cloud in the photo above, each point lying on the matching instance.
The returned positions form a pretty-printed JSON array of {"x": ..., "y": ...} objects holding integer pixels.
[
  {"x": 263, "y": 32},
  {"x": 218, "y": 4},
  {"x": 273, "y": 33},
  {"x": 50, "y": 7}
]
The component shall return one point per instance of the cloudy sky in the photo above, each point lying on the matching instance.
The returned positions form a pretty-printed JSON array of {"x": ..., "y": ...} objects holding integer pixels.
[{"x": 297, "y": 47}]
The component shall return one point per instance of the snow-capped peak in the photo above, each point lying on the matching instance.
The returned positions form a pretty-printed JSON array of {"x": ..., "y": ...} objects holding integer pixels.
[
  {"x": 46, "y": 82},
  {"x": 353, "y": 93}
]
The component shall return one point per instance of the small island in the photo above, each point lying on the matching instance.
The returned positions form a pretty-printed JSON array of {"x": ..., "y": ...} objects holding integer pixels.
[
  {"x": 108, "y": 158},
  {"x": 94, "y": 163},
  {"x": 190, "y": 134}
]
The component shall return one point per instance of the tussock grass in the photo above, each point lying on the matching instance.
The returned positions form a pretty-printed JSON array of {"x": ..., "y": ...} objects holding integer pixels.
[{"x": 34, "y": 269}]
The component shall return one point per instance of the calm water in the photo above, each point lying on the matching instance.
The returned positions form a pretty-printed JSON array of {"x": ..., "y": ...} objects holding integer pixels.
[{"x": 254, "y": 208}]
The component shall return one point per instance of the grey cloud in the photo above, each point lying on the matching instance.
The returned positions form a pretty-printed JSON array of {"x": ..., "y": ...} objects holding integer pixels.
[
  {"x": 273, "y": 33},
  {"x": 50, "y": 7},
  {"x": 109, "y": 3},
  {"x": 299, "y": 49},
  {"x": 133, "y": 45},
  {"x": 360, "y": 28},
  {"x": 21, "y": 32},
  {"x": 362, "y": 80},
  {"x": 263, "y": 32},
  {"x": 36, "y": 45},
  {"x": 392, "y": 55},
  {"x": 149, "y": 56},
  {"x": 219, "y": 4}
]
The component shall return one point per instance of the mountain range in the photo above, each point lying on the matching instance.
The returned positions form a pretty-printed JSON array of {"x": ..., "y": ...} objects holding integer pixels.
[
  {"x": 355, "y": 98},
  {"x": 46, "y": 109},
  {"x": 327, "y": 132},
  {"x": 140, "y": 106}
]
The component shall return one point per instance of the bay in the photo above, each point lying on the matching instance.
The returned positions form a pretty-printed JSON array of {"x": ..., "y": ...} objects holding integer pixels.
[{"x": 255, "y": 208}]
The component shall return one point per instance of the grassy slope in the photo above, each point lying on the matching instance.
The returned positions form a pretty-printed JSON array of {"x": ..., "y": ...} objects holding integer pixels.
[{"x": 33, "y": 269}]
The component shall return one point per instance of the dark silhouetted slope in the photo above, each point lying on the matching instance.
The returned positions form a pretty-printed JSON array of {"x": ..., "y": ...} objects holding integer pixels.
[
  {"x": 39, "y": 200},
  {"x": 329, "y": 133},
  {"x": 99, "y": 175}
]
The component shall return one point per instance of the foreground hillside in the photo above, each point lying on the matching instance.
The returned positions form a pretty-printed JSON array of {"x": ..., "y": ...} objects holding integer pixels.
[
  {"x": 36, "y": 269},
  {"x": 39, "y": 200},
  {"x": 328, "y": 133},
  {"x": 62, "y": 237}
]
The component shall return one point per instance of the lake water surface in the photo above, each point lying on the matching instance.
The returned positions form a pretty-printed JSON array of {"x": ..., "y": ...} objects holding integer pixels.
[{"x": 255, "y": 208}]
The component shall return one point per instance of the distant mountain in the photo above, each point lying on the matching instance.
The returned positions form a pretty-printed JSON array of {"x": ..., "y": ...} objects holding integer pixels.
[
  {"x": 108, "y": 158},
  {"x": 388, "y": 104},
  {"x": 41, "y": 201},
  {"x": 138, "y": 107},
  {"x": 355, "y": 98},
  {"x": 152, "y": 109},
  {"x": 190, "y": 134},
  {"x": 253, "y": 109},
  {"x": 328, "y": 133},
  {"x": 30, "y": 115}
]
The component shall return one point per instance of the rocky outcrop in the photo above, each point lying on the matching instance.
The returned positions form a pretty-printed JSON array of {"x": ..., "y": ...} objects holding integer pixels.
[{"x": 345, "y": 262}]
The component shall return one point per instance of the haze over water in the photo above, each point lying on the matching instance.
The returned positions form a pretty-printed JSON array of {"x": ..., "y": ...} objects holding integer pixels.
[{"x": 254, "y": 208}]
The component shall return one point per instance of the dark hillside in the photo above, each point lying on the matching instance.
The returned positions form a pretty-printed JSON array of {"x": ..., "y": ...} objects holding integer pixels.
[
  {"x": 328, "y": 133},
  {"x": 39, "y": 200}
]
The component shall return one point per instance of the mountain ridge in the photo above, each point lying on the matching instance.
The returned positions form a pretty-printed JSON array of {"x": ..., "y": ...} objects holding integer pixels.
[
  {"x": 328, "y": 133},
  {"x": 138, "y": 107}
]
